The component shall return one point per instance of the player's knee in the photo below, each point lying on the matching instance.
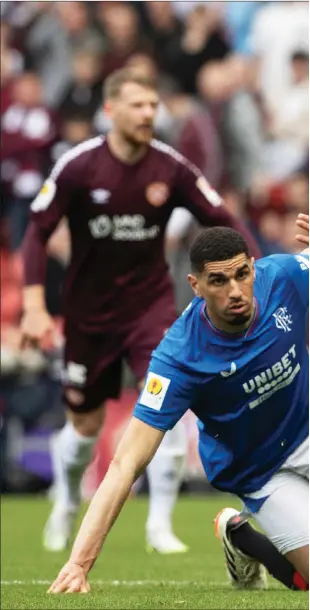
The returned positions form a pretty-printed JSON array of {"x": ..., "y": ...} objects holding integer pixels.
[
  {"x": 83, "y": 411},
  {"x": 87, "y": 424}
]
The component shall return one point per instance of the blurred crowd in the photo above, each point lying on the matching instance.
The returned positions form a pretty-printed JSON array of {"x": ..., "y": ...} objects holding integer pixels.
[{"x": 233, "y": 78}]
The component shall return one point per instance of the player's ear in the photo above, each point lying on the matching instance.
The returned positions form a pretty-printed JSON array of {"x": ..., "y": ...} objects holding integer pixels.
[{"x": 194, "y": 284}]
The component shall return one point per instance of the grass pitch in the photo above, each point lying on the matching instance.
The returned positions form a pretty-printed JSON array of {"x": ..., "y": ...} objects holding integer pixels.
[{"x": 125, "y": 576}]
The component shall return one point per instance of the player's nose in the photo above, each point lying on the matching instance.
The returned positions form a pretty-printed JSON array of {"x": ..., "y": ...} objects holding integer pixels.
[
  {"x": 235, "y": 291},
  {"x": 149, "y": 112}
]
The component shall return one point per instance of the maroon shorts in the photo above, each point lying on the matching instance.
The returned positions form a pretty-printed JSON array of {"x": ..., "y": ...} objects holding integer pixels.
[{"x": 93, "y": 362}]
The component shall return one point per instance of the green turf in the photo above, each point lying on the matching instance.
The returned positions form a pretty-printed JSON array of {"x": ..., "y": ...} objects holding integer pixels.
[{"x": 199, "y": 576}]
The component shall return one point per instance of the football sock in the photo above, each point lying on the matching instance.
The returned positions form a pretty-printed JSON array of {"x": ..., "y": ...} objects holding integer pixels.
[
  {"x": 165, "y": 473},
  {"x": 256, "y": 545},
  {"x": 164, "y": 476},
  {"x": 71, "y": 454}
]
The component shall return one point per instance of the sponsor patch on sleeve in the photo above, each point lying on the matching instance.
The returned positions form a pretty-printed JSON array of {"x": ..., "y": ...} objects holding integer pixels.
[
  {"x": 154, "y": 391},
  {"x": 44, "y": 197}
]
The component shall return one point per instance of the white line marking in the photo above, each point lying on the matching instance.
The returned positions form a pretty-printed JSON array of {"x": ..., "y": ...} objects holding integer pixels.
[{"x": 127, "y": 583}]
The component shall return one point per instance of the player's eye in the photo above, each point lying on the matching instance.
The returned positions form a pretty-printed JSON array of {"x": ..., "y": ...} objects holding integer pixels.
[
  {"x": 243, "y": 274},
  {"x": 218, "y": 281}
]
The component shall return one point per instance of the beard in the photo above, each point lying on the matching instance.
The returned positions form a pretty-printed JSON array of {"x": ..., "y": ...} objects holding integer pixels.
[
  {"x": 240, "y": 319},
  {"x": 140, "y": 137}
]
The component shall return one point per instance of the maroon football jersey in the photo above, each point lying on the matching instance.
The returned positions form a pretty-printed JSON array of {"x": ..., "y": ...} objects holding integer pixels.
[{"x": 117, "y": 214}]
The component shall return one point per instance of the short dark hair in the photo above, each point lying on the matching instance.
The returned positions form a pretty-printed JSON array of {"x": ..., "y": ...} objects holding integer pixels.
[
  {"x": 115, "y": 81},
  {"x": 216, "y": 244}
]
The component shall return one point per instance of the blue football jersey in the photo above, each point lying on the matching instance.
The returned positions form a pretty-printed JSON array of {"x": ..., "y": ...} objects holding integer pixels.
[{"x": 249, "y": 391}]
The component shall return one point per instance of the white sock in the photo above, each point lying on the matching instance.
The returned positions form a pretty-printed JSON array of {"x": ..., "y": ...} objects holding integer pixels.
[
  {"x": 71, "y": 453},
  {"x": 165, "y": 473}
]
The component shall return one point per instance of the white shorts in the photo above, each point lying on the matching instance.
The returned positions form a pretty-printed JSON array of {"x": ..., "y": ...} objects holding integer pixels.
[{"x": 284, "y": 516}]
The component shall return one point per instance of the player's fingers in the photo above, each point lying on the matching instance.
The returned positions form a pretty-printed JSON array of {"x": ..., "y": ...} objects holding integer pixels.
[
  {"x": 53, "y": 588},
  {"x": 304, "y": 239},
  {"x": 306, "y": 229},
  {"x": 302, "y": 225},
  {"x": 61, "y": 587},
  {"x": 60, "y": 582},
  {"x": 74, "y": 586},
  {"x": 303, "y": 220},
  {"x": 57, "y": 587},
  {"x": 71, "y": 589},
  {"x": 85, "y": 588}
]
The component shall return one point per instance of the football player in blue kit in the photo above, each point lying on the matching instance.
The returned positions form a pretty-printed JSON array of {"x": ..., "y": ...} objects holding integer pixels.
[{"x": 238, "y": 359}]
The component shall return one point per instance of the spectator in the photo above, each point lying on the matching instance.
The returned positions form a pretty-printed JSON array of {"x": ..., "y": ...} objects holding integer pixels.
[
  {"x": 269, "y": 231},
  {"x": 28, "y": 131},
  {"x": 59, "y": 29},
  {"x": 202, "y": 41},
  {"x": 239, "y": 18},
  {"x": 296, "y": 191},
  {"x": 288, "y": 238},
  {"x": 225, "y": 86},
  {"x": 73, "y": 131},
  {"x": 74, "y": 20},
  {"x": 163, "y": 27},
  {"x": 293, "y": 193},
  {"x": 289, "y": 125},
  {"x": 14, "y": 58},
  {"x": 84, "y": 93},
  {"x": 200, "y": 141},
  {"x": 278, "y": 30},
  {"x": 120, "y": 24},
  {"x": 182, "y": 9}
]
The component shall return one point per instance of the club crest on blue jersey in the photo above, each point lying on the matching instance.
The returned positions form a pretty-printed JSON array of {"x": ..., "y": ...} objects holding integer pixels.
[{"x": 283, "y": 319}]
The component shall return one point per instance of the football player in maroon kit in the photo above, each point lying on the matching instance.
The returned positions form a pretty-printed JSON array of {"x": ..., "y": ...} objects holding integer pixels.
[{"x": 117, "y": 193}]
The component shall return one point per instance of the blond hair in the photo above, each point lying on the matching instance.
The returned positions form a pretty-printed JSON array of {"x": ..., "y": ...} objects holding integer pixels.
[{"x": 115, "y": 81}]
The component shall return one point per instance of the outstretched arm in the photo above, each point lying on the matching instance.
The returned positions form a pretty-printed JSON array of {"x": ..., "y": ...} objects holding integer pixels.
[
  {"x": 47, "y": 210},
  {"x": 136, "y": 449}
]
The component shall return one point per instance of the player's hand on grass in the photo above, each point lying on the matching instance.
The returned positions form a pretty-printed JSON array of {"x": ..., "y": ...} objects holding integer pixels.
[
  {"x": 37, "y": 328},
  {"x": 71, "y": 579},
  {"x": 303, "y": 223}
]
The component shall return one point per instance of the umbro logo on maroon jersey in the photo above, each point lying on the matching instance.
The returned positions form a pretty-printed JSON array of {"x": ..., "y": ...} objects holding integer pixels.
[
  {"x": 100, "y": 196},
  {"x": 157, "y": 194}
]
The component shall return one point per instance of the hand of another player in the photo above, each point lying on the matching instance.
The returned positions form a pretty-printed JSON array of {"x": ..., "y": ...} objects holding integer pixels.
[
  {"x": 71, "y": 579},
  {"x": 37, "y": 327},
  {"x": 303, "y": 223}
]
